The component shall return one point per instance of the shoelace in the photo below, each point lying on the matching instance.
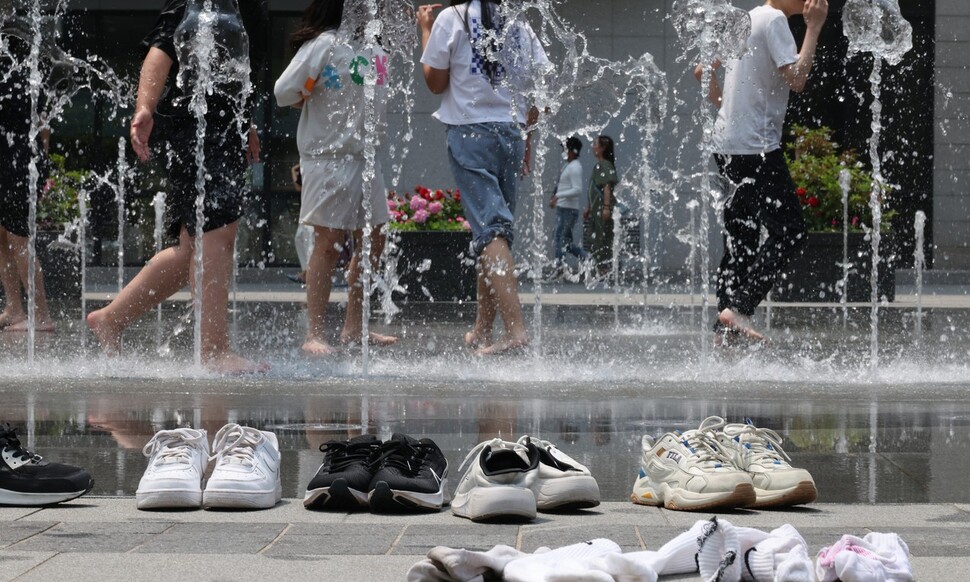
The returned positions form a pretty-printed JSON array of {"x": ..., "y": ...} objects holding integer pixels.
[
  {"x": 494, "y": 443},
  {"x": 404, "y": 456},
  {"x": 765, "y": 447},
  {"x": 341, "y": 455},
  {"x": 236, "y": 444},
  {"x": 703, "y": 447},
  {"x": 8, "y": 439},
  {"x": 173, "y": 446}
]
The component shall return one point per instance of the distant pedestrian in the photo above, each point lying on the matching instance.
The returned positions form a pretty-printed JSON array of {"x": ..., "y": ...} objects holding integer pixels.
[
  {"x": 602, "y": 200},
  {"x": 566, "y": 202}
]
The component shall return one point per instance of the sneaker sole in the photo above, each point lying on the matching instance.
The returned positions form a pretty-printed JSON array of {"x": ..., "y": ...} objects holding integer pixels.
[
  {"x": 567, "y": 493},
  {"x": 483, "y": 503},
  {"x": 170, "y": 499},
  {"x": 8, "y": 497},
  {"x": 678, "y": 499},
  {"x": 804, "y": 492},
  {"x": 236, "y": 499},
  {"x": 384, "y": 499},
  {"x": 338, "y": 496}
]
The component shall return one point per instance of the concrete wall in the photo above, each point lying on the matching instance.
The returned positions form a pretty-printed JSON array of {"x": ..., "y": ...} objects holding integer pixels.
[{"x": 951, "y": 202}]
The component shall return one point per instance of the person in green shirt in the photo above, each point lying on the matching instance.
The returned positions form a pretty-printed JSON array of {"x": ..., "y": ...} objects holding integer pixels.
[{"x": 599, "y": 213}]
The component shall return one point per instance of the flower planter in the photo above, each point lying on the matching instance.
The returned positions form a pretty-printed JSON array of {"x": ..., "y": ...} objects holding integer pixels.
[
  {"x": 435, "y": 266},
  {"x": 816, "y": 275}
]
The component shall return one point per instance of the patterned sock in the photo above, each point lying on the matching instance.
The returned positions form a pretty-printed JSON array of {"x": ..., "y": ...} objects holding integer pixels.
[
  {"x": 565, "y": 561},
  {"x": 878, "y": 556},
  {"x": 719, "y": 554}
]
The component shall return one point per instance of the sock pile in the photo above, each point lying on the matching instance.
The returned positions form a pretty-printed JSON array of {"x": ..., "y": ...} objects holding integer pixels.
[{"x": 877, "y": 557}]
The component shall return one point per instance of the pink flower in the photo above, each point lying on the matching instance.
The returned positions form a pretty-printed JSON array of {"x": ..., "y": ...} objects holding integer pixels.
[
  {"x": 49, "y": 184},
  {"x": 465, "y": 225},
  {"x": 392, "y": 205},
  {"x": 855, "y": 220},
  {"x": 421, "y": 216},
  {"x": 418, "y": 203},
  {"x": 434, "y": 207}
]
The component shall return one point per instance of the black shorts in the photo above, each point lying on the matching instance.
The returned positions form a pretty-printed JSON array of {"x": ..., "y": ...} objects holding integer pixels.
[
  {"x": 225, "y": 183},
  {"x": 14, "y": 194}
]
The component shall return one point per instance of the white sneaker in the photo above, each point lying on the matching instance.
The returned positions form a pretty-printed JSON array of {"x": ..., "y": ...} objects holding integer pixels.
[
  {"x": 176, "y": 466},
  {"x": 247, "y": 471},
  {"x": 562, "y": 482},
  {"x": 688, "y": 471},
  {"x": 498, "y": 482},
  {"x": 758, "y": 451}
]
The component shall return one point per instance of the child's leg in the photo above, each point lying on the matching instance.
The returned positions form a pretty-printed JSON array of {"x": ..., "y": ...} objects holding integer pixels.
[
  {"x": 499, "y": 268},
  {"x": 481, "y": 335},
  {"x": 13, "y": 309},
  {"x": 353, "y": 323},
  {"x": 319, "y": 278},
  {"x": 19, "y": 253},
  {"x": 160, "y": 278}
]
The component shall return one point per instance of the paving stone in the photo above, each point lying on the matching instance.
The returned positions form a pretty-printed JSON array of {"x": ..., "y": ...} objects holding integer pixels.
[
  {"x": 418, "y": 539},
  {"x": 93, "y": 537},
  {"x": 334, "y": 540},
  {"x": 213, "y": 538},
  {"x": 12, "y": 532},
  {"x": 15, "y": 564}
]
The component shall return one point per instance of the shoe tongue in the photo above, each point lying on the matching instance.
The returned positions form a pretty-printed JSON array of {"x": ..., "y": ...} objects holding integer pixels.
[{"x": 364, "y": 439}]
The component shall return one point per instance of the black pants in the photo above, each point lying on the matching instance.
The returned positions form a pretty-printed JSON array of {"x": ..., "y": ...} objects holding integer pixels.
[{"x": 764, "y": 196}]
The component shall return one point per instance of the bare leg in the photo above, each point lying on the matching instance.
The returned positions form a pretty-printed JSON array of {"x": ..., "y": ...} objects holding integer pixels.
[
  {"x": 481, "y": 335},
  {"x": 319, "y": 278},
  {"x": 217, "y": 257},
  {"x": 19, "y": 253},
  {"x": 13, "y": 309},
  {"x": 353, "y": 323},
  {"x": 159, "y": 279},
  {"x": 499, "y": 269},
  {"x": 740, "y": 323}
]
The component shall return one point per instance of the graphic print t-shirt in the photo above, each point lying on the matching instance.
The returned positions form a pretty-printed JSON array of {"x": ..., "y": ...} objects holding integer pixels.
[
  {"x": 471, "y": 97},
  {"x": 329, "y": 73}
]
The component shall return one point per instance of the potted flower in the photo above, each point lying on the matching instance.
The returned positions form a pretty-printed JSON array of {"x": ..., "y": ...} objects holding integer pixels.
[
  {"x": 58, "y": 217},
  {"x": 816, "y": 163},
  {"x": 432, "y": 240}
]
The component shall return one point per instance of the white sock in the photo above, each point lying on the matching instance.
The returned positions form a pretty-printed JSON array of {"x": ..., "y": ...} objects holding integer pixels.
[
  {"x": 561, "y": 561},
  {"x": 719, "y": 554},
  {"x": 678, "y": 556},
  {"x": 463, "y": 565},
  {"x": 877, "y": 557},
  {"x": 795, "y": 566},
  {"x": 428, "y": 571},
  {"x": 762, "y": 560}
]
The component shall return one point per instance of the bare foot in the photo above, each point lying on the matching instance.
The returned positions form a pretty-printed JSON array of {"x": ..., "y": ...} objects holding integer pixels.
[
  {"x": 476, "y": 339},
  {"x": 316, "y": 347},
  {"x": 374, "y": 339},
  {"x": 108, "y": 335},
  {"x": 504, "y": 347},
  {"x": 41, "y": 325},
  {"x": 8, "y": 319},
  {"x": 230, "y": 364},
  {"x": 740, "y": 323}
]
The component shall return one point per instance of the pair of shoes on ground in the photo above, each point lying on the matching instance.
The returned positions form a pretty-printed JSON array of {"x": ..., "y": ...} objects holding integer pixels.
[
  {"x": 514, "y": 480},
  {"x": 720, "y": 466},
  {"x": 246, "y": 474},
  {"x": 28, "y": 480},
  {"x": 400, "y": 474}
]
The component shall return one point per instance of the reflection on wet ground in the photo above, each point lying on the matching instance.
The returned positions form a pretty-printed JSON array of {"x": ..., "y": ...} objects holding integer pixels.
[{"x": 602, "y": 378}]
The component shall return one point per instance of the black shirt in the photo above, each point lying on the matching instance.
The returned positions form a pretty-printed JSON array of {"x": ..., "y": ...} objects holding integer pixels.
[
  {"x": 174, "y": 103},
  {"x": 14, "y": 92}
]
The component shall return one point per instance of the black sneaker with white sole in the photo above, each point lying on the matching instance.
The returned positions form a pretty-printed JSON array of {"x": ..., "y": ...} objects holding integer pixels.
[
  {"x": 343, "y": 480},
  {"x": 412, "y": 476},
  {"x": 27, "y": 479}
]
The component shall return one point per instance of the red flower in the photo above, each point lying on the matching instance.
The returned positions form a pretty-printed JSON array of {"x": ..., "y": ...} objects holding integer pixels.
[
  {"x": 457, "y": 195},
  {"x": 813, "y": 201},
  {"x": 801, "y": 192}
]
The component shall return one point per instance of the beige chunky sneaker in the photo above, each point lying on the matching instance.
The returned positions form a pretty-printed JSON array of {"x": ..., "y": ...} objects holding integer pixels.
[
  {"x": 758, "y": 451},
  {"x": 687, "y": 471}
]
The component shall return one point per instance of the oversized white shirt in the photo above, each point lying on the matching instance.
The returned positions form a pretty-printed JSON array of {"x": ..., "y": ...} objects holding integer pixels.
[
  {"x": 470, "y": 96},
  {"x": 755, "y": 94},
  {"x": 570, "y": 185},
  {"x": 328, "y": 74}
]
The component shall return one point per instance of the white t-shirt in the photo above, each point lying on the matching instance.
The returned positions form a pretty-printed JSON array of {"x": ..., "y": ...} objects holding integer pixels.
[
  {"x": 570, "y": 186},
  {"x": 329, "y": 73},
  {"x": 470, "y": 96},
  {"x": 755, "y": 94}
]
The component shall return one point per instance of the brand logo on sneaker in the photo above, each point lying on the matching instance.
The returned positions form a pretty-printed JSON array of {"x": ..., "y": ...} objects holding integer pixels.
[
  {"x": 674, "y": 456},
  {"x": 437, "y": 479}
]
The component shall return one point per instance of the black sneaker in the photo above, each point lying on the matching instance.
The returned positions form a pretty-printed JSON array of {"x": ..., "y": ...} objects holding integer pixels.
[
  {"x": 343, "y": 480},
  {"x": 413, "y": 475},
  {"x": 27, "y": 479}
]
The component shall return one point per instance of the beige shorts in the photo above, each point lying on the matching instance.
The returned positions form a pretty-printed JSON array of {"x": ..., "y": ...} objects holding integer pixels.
[{"x": 333, "y": 194}]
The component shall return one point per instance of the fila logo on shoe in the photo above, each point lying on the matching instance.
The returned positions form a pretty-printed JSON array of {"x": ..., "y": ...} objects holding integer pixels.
[{"x": 674, "y": 456}]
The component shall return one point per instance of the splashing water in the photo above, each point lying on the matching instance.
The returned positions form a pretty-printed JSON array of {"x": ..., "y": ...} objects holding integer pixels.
[{"x": 877, "y": 27}]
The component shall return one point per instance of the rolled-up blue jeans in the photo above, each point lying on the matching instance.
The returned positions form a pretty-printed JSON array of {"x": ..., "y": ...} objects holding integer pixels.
[
  {"x": 485, "y": 160},
  {"x": 565, "y": 224}
]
